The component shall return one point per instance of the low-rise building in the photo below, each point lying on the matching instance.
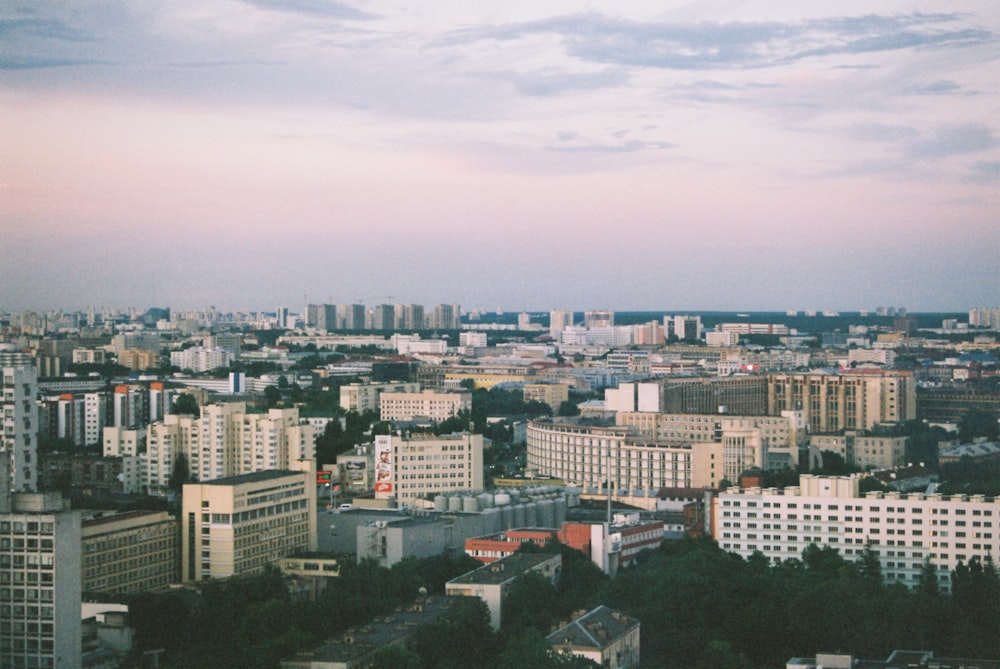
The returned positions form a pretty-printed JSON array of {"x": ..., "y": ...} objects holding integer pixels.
[
  {"x": 607, "y": 637},
  {"x": 431, "y": 405},
  {"x": 491, "y": 582},
  {"x": 552, "y": 394},
  {"x": 130, "y": 552}
]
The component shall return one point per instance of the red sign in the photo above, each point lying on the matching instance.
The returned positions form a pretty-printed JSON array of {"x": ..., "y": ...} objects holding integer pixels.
[
  {"x": 324, "y": 477},
  {"x": 383, "y": 487}
]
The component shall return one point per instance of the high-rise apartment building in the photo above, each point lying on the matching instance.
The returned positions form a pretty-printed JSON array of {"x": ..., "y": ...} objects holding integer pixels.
[
  {"x": 40, "y": 582},
  {"x": 559, "y": 320},
  {"x": 599, "y": 318},
  {"x": 227, "y": 441},
  {"x": 18, "y": 394}
]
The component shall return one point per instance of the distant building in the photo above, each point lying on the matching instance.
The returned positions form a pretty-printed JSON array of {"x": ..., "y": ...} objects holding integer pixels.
[
  {"x": 552, "y": 394},
  {"x": 604, "y": 636},
  {"x": 19, "y": 416},
  {"x": 428, "y": 404},
  {"x": 239, "y": 525}
]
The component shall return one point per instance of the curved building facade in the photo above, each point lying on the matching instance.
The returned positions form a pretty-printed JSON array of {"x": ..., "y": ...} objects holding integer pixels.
[{"x": 587, "y": 455}]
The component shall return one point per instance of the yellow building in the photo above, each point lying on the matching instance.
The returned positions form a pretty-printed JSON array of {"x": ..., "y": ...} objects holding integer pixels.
[
  {"x": 553, "y": 394},
  {"x": 241, "y": 524},
  {"x": 130, "y": 552}
]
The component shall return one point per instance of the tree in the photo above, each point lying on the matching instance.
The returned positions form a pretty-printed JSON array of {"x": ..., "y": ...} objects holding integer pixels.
[
  {"x": 569, "y": 408},
  {"x": 977, "y": 423},
  {"x": 179, "y": 474},
  {"x": 395, "y": 657},
  {"x": 185, "y": 404},
  {"x": 272, "y": 395}
]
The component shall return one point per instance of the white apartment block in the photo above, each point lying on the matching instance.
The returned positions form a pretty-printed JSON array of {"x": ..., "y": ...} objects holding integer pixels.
[
  {"x": 365, "y": 397},
  {"x": 241, "y": 524},
  {"x": 429, "y": 404},
  {"x": 589, "y": 455},
  {"x": 201, "y": 359},
  {"x": 904, "y": 529},
  {"x": 19, "y": 417},
  {"x": 227, "y": 441},
  {"x": 426, "y": 465}
]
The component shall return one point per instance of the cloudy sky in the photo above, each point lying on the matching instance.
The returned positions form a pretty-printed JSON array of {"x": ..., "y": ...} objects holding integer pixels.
[{"x": 719, "y": 154}]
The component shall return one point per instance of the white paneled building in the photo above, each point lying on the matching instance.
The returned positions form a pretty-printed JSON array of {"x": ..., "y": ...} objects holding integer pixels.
[{"x": 904, "y": 529}]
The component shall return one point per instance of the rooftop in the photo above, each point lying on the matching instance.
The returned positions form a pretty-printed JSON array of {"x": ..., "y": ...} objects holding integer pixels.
[
  {"x": 594, "y": 629},
  {"x": 252, "y": 477},
  {"x": 503, "y": 570}
]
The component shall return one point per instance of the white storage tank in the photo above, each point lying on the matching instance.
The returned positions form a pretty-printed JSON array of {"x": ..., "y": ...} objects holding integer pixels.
[
  {"x": 485, "y": 500},
  {"x": 440, "y": 503},
  {"x": 455, "y": 503},
  {"x": 470, "y": 504},
  {"x": 501, "y": 499}
]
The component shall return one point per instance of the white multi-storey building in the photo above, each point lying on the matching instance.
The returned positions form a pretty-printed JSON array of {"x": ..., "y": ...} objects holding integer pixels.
[
  {"x": 227, "y": 441},
  {"x": 590, "y": 456},
  {"x": 365, "y": 397},
  {"x": 408, "y": 467},
  {"x": 19, "y": 417},
  {"x": 904, "y": 529},
  {"x": 200, "y": 359}
]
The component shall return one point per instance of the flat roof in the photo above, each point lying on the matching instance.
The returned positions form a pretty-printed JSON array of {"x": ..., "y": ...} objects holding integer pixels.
[
  {"x": 252, "y": 477},
  {"x": 503, "y": 570}
]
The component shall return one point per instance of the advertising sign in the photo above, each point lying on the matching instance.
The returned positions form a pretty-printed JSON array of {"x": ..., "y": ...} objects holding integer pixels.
[
  {"x": 383, "y": 463},
  {"x": 324, "y": 478}
]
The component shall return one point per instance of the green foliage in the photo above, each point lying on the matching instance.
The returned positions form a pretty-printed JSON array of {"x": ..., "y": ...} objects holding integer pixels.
[
  {"x": 180, "y": 474},
  {"x": 977, "y": 423},
  {"x": 395, "y": 657},
  {"x": 185, "y": 404},
  {"x": 970, "y": 477},
  {"x": 461, "y": 638},
  {"x": 569, "y": 408}
]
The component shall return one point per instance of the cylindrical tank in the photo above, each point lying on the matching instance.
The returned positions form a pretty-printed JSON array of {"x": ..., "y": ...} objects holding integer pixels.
[
  {"x": 560, "y": 510},
  {"x": 519, "y": 515},
  {"x": 470, "y": 504},
  {"x": 546, "y": 513},
  {"x": 485, "y": 500},
  {"x": 455, "y": 503},
  {"x": 531, "y": 514},
  {"x": 506, "y": 517},
  {"x": 491, "y": 521},
  {"x": 440, "y": 503},
  {"x": 501, "y": 499}
]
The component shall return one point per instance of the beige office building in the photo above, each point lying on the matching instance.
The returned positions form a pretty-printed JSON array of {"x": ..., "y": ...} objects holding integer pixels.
[
  {"x": 130, "y": 552},
  {"x": 856, "y": 400},
  {"x": 428, "y": 404},
  {"x": 553, "y": 394},
  {"x": 362, "y": 397},
  {"x": 241, "y": 524}
]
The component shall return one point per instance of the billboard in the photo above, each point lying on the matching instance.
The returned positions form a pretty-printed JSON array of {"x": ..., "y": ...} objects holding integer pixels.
[
  {"x": 383, "y": 463},
  {"x": 324, "y": 477}
]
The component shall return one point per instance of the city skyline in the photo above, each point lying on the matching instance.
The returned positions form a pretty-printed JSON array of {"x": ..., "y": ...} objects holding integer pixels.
[{"x": 676, "y": 156}]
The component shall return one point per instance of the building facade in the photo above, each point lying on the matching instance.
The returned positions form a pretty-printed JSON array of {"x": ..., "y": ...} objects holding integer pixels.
[
  {"x": 18, "y": 438},
  {"x": 132, "y": 552},
  {"x": 903, "y": 529},
  {"x": 431, "y": 405},
  {"x": 410, "y": 467},
  {"x": 40, "y": 583},
  {"x": 241, "y": 524}
]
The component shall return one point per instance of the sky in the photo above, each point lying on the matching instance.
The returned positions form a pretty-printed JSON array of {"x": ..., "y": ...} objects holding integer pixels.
[{"x": 710, "y": 155}]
